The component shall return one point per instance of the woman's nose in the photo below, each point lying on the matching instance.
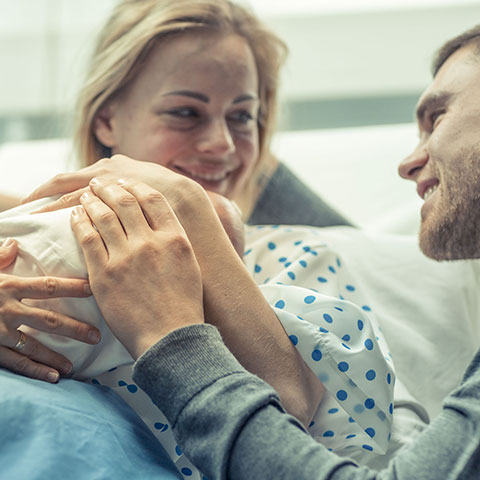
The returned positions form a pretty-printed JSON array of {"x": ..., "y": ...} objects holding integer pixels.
[
  {"x": 411, "y": 165},
  {"x": 216, "y": 139}
]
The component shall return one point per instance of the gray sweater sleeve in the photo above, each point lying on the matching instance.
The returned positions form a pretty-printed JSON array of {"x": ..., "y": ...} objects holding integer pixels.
[{"x": 232, "y": 425}]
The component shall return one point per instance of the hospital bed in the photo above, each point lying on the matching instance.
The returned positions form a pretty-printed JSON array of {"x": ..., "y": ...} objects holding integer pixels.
[{"x": 429, "y": 310}]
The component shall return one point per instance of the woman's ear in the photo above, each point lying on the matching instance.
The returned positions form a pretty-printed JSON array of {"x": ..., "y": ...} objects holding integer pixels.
[{"x": 102, "y": 126}]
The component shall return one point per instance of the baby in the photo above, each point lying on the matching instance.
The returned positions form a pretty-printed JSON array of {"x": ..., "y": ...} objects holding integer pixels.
[{"x": 306, "y": 286}]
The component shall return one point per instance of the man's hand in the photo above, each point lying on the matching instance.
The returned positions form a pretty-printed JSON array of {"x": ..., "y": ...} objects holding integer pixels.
[{"x": 142, "y": 268}]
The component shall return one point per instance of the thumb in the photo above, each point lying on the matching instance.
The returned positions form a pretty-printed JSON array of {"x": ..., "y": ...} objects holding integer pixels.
[{"x": 8, "y": 252}]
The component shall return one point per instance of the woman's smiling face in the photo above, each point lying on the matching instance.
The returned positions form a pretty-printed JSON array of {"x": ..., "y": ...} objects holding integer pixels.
[{"x": 192, "y": 108}]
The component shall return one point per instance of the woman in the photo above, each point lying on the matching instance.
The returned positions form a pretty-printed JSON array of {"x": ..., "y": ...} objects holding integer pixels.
[
  {"x": 267, "y": 192},
  {"x": 192, "y": 86}
]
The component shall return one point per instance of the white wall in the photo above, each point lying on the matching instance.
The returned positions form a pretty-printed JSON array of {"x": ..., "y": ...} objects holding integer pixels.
[{"x": 340, "y": 49}]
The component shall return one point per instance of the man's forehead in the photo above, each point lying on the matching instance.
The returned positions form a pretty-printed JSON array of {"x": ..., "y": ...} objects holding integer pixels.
[{"x": 453, "y": 76}]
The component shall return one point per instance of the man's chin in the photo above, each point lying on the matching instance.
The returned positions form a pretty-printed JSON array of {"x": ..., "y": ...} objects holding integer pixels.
[{"x": 446, "y": 243}]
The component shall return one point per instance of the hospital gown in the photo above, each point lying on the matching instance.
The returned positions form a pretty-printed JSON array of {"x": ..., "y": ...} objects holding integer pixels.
[{"x": 323, "y": 312}]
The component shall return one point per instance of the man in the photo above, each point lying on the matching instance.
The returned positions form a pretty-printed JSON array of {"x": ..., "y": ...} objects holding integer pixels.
[{"x": 231, "y": 424}]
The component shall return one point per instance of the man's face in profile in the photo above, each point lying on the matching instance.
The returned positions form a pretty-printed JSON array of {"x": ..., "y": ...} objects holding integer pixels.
[{"x": 446, "y": 163}]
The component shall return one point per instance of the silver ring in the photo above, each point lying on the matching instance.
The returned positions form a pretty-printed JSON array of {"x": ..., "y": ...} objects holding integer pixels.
[{"x": 20, "y": 345}]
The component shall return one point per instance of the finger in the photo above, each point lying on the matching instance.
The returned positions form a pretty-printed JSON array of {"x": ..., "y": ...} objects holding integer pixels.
[
  {"x": 27, "y": 367},
  {"x": 30, "y": 347},
  {"x": 8, "y": 252},
  {"x": 61, "y": 184},
  {"x": 65, "y": 201},
  {"x": 105, "y": 220},
  {"x": 45, "y": 287},
  {"x": 89, "y": 239},
  {"x": 123, "y": 203},
  {"x": 155, "y": 206},
  {"x": 53, "y": 322}
]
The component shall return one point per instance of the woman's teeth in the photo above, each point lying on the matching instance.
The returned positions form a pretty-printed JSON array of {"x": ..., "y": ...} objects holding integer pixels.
[
  {"x": 207, "y": 176},
  {"x": 430, "y": 191}
]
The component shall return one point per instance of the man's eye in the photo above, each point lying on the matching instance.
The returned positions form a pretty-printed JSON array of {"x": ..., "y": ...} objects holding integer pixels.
[{"x": 435, "y": 118}]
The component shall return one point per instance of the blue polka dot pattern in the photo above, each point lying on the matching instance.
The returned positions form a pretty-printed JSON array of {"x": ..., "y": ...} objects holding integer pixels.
[
  {"x": 328, "y": 433},
  {"x": 317, "y": 355},
  {"x": 293, "y": 339},
  {"x": 280, "y": 304},
  {"x": 359, "y": 408},
  {"x": 178, "y": 450},
  {"x": 186, "y": 471},
  {"x": 342, "y": 395},
  {"x": 258, "y": 268},
  {"x": 370, "y": 432},
  {"x": 367, "y": 447},
  {"x": 271, "y": 246},
  {"x": 327, "y": 318},
  {"x": 328, "y": 351},
  {"x": 343, "y": 366}
]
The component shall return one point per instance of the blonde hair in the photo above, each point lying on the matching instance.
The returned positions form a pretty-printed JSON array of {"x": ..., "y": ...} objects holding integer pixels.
[{"x": 138, "y": 26}]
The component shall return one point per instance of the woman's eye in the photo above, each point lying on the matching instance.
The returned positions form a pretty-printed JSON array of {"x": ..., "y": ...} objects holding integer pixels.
[
  {"x": 183, "y": 112},
  {"x": 242, "y": 116}
]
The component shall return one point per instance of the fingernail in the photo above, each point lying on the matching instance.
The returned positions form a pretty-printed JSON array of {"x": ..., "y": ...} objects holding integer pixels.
[
  {"x": 77, "y": 211},
  {"x": 94, "y": 336},
  {"x": 67, "y": 368},
  {"x": 8, "y": 242},
  {"x": 87, "y": 289},
  {"x": 53, "y": 377},
  {"x": 85, "y": 196},
  {"x": 94, "y": 181}
]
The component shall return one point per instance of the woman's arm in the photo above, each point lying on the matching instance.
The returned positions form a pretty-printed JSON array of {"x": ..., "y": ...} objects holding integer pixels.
[
  {"x": 23, "y": 354},
  {"x": 233, "y": 303}
]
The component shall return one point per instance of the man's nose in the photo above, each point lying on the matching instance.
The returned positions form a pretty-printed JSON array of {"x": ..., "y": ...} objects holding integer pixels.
[
  {"x": 410, "y": 167},
  {"x": 216, "y": 139}
]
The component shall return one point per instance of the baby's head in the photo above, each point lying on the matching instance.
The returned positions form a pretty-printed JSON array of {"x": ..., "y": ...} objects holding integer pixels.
[{"x": 231, "y": 219}]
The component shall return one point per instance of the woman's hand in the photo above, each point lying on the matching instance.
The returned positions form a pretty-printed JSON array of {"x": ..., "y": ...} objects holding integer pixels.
[
  {"x": 72, "y": 185},
  {"x": 142, "y": 268},
  {"x": 23, "y": 354}
]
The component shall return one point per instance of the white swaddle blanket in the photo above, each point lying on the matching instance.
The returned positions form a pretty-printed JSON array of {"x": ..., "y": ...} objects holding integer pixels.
[{"x": 336, "y": 338}]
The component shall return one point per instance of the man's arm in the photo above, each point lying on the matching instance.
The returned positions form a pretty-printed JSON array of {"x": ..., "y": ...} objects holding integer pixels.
[
  {"x": 8, "y": 201},
  {"x": 231, "y": 424}
]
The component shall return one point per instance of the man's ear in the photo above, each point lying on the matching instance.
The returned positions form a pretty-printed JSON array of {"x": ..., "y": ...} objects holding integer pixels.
[{"x": 102, "y": 126}]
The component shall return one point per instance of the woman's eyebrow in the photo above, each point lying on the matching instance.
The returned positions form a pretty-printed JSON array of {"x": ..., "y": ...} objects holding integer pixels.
[
  {"x": 189, "y": 93},
  {"x": 245, "y": 97}
]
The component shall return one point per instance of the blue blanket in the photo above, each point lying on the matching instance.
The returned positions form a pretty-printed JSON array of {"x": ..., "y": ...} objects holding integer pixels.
[{"x": 74, "y": 430}]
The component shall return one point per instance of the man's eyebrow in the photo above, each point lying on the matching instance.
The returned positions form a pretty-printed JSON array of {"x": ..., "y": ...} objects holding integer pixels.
[
  {"x": 189, "y": 93},
  {"x": 432, "y": 101}
]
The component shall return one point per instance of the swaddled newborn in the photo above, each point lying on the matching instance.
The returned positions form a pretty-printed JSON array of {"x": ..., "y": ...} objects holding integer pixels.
[{"x": 335, "y": 338}]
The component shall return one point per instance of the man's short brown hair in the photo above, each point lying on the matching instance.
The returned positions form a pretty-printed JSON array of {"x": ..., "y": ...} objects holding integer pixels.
[{"x": 471, "y": 36}]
